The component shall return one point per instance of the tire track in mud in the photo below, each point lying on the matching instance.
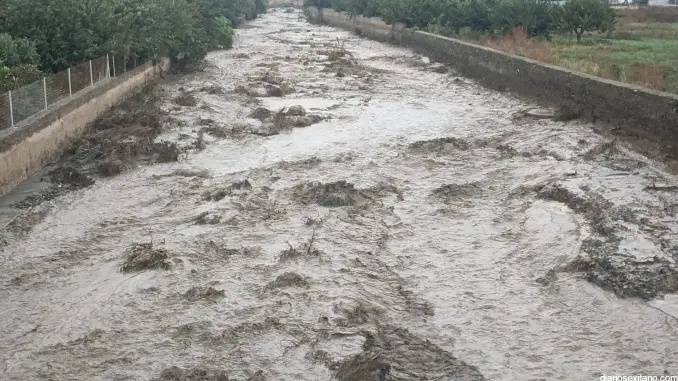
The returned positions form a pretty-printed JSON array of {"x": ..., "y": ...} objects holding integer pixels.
[{"x": 336, "y": 208}]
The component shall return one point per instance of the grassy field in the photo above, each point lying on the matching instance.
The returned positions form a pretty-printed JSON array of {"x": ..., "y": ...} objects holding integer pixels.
[{"x": 642, "y": 50}]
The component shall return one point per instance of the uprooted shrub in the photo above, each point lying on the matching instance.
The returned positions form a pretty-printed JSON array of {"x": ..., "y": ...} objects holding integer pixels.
[{"x": 144, "y": 256}]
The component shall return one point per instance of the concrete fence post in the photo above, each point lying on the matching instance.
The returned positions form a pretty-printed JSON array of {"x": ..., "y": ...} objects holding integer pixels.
[
  {"x": 113, "y": 58},
  {"x": 91, "y": 75},
  {"x": 11, "y": 110},
  {"x": 108, "y": 67},
  {"x": 70, "y": 87},
  {"x": 44, "y": 87}
]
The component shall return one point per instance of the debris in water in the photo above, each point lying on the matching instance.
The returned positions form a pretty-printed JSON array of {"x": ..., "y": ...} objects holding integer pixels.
[
  {"x": 567, "y": 113},
  {"x": 205, "y": 218},
  {"x": 166, "y": 152},
  {"x": 393, "y": 353},
  {"x": 440, "y": 145},
  {"x": 457, "y": 192},
  {"x": 257, "y": 376},
  {"x": 625, "y": 277},
  {"x": 313, "y": 221},
  {"x": 65, "y": 179},
  {"x": 336, "y": 54},
  {"x": 271, "y": 79},
  {"x": 121, "y": 137},
  {"x": 550, "y": 277},
  {"x": 186, "y": 100},
  {"x": 217, "y": 195},
  {"x": 213, "y": 89},
  {"x": 281, "y": 121},
  {"x": 71, "y": 177},
  {"x": 336, "y": 200},
  {"x": 196, "y": 374},
  {"x": 112, "y": 167},
  {"x": 415, "y": 305},
  {"x": 661, "y": 188},
  {"x": 289, "y": 279},
  {"x": 361, "y": 313},
  {"x": 307, "y": 250},
  {"x": 331, "y": 195},
  {"x": 244, "y": 184},
  {"x": 541, "y": 113},
  {"x": 296, "y": 111},
  {"x": 145, "y": 257},
  {"x": 221, "y": 193},
  {"x": 607, "y": 149},
  {"x": 274, "y": 91},
  {"x": 242, "y": 89},
  {"x": 206, "y": 122},
  {"x": 438, "y": 68},
  {"x": 313, "y": 161},
  {"x": 342, "y": 63},
  {"x": 260, "y": 113},
  {"x": 364, "y": 367},
  {"x": 201, "y": 173},
  {"x": 203, "y": 293},
  {"x": 595, "y": 208}
]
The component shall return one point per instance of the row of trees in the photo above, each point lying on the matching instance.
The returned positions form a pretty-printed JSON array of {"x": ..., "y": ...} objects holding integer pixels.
[
  {"x": 537, "y": 17},
  {"x": 51, "y": 35}
]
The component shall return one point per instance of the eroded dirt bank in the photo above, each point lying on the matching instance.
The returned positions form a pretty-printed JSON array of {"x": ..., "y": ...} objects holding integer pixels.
[{"x": 312, "y": 205}]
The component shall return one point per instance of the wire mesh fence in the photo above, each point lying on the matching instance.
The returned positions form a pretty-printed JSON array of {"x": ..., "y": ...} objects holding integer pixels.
[
  {"x": 4, "y": 111},
  {"x": 80, "y": 76},
  {"x": 28, "y": 100},
  {"x": 121, "y": 65},
  {"x": 99, "y": 69},
  {"x": 20, "y": 104},
  {"x": 58, "y": 87}
]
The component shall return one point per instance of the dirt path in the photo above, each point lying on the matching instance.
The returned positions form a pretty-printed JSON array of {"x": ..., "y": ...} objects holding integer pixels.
[{"x": 403, "y": 223}]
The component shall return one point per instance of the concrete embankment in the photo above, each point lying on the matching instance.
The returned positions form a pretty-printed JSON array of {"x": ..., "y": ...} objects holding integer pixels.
[
  {"x": 26, "y": 150},
  {"x": 644, "y": 112}
]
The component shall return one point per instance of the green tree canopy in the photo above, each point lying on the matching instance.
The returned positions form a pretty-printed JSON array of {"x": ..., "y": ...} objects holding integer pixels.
[
  {"x": 18, "y": 62},
  {"x": 67, "y": 32},
  {"x": 581, "y": 16}
]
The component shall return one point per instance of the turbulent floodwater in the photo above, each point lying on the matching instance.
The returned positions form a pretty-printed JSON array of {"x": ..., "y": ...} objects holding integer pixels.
[{"x": 361, "y": 247}]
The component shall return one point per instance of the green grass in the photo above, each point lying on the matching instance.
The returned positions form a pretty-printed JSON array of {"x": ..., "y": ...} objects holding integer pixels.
[
  {"x": 643, "y": 52},
  {"x": 652, "y": 30},
  {"x": 623, "y": 60}
]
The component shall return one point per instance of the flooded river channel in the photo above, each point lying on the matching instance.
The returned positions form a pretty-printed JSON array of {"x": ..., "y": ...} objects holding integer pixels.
[{"x": 339, "y": 208}]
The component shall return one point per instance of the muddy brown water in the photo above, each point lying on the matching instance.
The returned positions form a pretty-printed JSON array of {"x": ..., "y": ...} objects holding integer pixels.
[{"x": 360, "y": 247}]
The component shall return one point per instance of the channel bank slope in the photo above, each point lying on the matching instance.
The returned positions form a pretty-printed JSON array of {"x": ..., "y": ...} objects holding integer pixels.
[{"x": 403, "y": 223}]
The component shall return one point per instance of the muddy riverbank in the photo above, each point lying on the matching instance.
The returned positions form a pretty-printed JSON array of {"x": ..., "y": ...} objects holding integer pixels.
[{"x": 313, "y": 205}]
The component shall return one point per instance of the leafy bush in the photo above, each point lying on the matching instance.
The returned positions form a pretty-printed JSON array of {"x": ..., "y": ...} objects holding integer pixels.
[
  {"x": 18, "y": 62},
  {"x": 535, "y": 16},
  {"x": 17, "y": 76},
  {"x": 317, "y": 3},
  {"x": 223, "y": 33},
  {"x": 260, "y": 6},
  {"x": 17, "y": 51}
]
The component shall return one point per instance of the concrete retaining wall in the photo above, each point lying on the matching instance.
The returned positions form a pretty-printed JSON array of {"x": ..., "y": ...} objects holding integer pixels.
[
  {"x": 642, "y": 111},
  {"x": 30, "y": 148}
]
